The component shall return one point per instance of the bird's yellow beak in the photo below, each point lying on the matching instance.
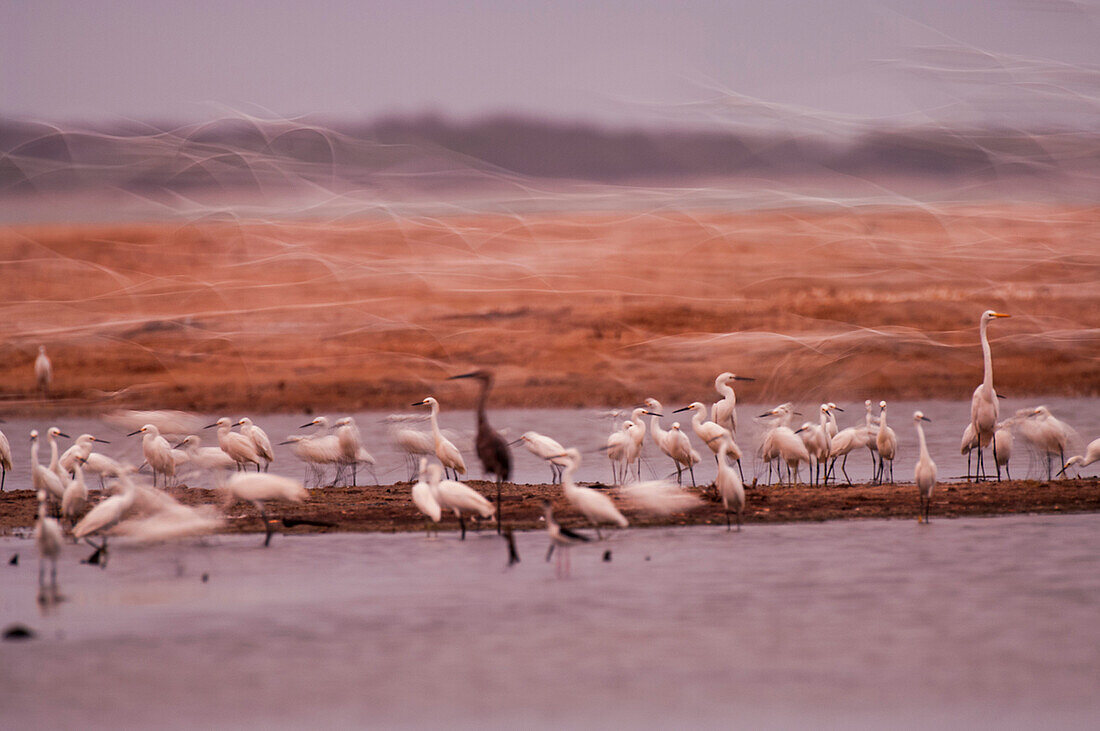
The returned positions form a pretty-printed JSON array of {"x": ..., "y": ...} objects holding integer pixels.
[{"x": 1000, "y": 314}]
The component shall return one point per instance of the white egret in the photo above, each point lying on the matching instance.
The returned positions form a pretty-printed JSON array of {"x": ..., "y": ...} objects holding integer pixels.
[
  {"x": 47, "y": 538},
  {"x": 815, "y": 437},
  {"x": 711, "y": 433},
  {"x": 561, "y": 538},
  {"x": 597, "y": 507},
  {"x": 260, "y": 442},
  {"x": 659, "y": 497},
  {"x": 105, "y": 515},
  {"x": 635, "y": 441},
  {"x": 887, "y": 443},
  {"x": 724, "y": 411},
  {"x": 317, "y": 451},
  {"x": 75, "y": 499},
  {"x": 258, "y": 489},
  {"x": 548, "y": 449},
  {"x": 414, "y": 444},
  {"x": 673, "y": 443},
  {"x": 847, "y": 440},
  {"x": 871, "y": 434},
  {"x": 781, "y": 442},
  {"x": 833, "y": 427},
  {"x": 205, "y": 458},
  {"x": 424, "y": 498},
  {"x": 157, "y": 452},
  {"x": 924, "y": 474},
  {"x": 5, "y": 459},
  {"x": 55, "y": 462},
  {"x": 1002, "y": 448},
  {"x": 237, "y": 446},
  {"x": 457, "y": 497},
  {"x": 81, "y": 448},
  {"x": 616, "y": 451},
  {"x": 352, "y": 451},
  {"x": 984, "y": 409},
  {"x": 729, "y": 486},
  {"x": 967, "y": 445},
  {"x": 445, "y": 450},
  {"x": 1091, "y": 455},
  {"x": 43, "y": 372},
  {"x": 42, "y": 478},
  {"x": 1049, "y": 435}
]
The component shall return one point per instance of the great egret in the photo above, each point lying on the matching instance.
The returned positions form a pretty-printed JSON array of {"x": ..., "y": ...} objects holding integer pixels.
[
  {"x": 81, "y": 448},
  {"x": 924, "y": 474},
  {"x": 729, "y": 486},
  {"x": 1091, "y": 455},
  {"x": 5, "y": 459},
  {"x": 260, "y": 443},
  {"x": 887, "y": 443},
  {"x": 43, "y": 372},
  {"x": 724, "y": 411},
  {"x": 561, "y": 538},
  {"x": 424, "y": 498},
  {"x": 47, "y": 538},
  {"x": 157, "y": 452},
  {"x": 984, "y": 409},
  {"x": 259, "y": 488},
  {"x": 492, "y": 448},
  {"x": 546, "y": 448},
  {"x": 237, "y": 446},
  {"x": 445, "y": 450},
  {"x": 457, "y": 497},
  {"x": 595, "y": 506}
]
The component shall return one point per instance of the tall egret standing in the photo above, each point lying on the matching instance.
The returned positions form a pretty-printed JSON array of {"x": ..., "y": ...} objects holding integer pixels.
[
  {"x": 711, "y": 433},
  {"x": 984, "y": 409},
  {"x": 55, "y": 462},
  {"x": 616, "y": 451},
  {"x": 42, "y": 478},
  {"x": 492, "y": 448},
  {"x": 237, "y": 446},
  {"x": 674, "y": 442},
  {"x": 887, "y": 443},
  {"x": 724, "y": 411},
  {"x": 158, "y": 453},
  {"x": 635, "y": 442},
  {"x": 48, "y": 538},
  {"x": 445, "y": 450},
  {"x": 260, "y": 443},
  {"x": 925, "y": 472},
  {"x": 595, "y": 506},
  {"x": 730, "y": 487},
  {"x": 548, "y": 449},
  {"x": 43, "y": 372}
]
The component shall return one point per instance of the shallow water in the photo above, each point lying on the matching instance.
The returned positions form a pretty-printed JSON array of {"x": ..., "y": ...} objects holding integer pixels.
[
  {"x": 587, "y": 429},
  {"x": 970, "y": 622}
]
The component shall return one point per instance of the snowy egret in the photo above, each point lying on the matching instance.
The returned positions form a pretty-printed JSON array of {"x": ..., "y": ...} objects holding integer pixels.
[
  {"x": 711, "y": 433},
  {"x": 157, "y": 452},
  {"x": 424, "y": 499},
  {"x": 237, "y": 446},
  {"x": 352, "y": 451},
  {"x": 82, "y": 447},
  {"x": 260, "y": 443},
  {"x": 1002, "y": 448},
  {"x": 635, "y": 441},
  {"x": 561, "y": 538},
  {"x": 723, "y": 412},
  {"x": 729, "y": 486},
  {"x": 107, "y": 514},
  {"x": 42, "y": 478},
  {"x": 782, "y": 443},
  {"x": 5, "y": 459},
  {"x": 48, "y": 538},
  {"x": 414, "y": 444},
  {"x": 457, "y": 497},
  {"x": 595, "y": 506},
  {"x": 492, "y": 448},
  {"x": 984, "y": 408},
  {"x": 924, "y": 474},
  {"x": 1091, "y": 455},
  {"x": 815, "y": 437},
  {"x": 660, "y": 497},
  {"x": 616, "y": 451},
  {"x": 43, "y": 372},
  {"x": 75, "y": 499},
  {"x": 258, "y": 489},
  {"x": 673, "y": 443},
  {"x": 546, "y": 448},
  {"x": 1048, "y": 434},
  {"x": 445, "y": 450},
  {"x": 205, "y": 458},
  {"x": 887, "y": 443},
  {"x": 55, "y": 462},
  {"x": 317, "y": 451}
]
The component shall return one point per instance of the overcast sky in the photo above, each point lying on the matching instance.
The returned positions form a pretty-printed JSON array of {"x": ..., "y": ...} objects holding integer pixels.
[{"x": 619, "y": 62}]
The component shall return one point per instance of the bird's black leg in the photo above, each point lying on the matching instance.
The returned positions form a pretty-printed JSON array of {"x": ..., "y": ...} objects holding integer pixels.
[
  {"x": 462, "y": 525},
  {"x": 499, "y": 480},
  {"x": 728, "y": 527},
  {"x": 598, "y": 536},
  {"x": 740, "y": 471},
  {"x": 267, "y": 527},
  {"x": 549, "y": 552}
]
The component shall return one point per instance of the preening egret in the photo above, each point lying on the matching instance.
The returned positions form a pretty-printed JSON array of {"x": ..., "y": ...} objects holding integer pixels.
[
  {"x": 352, "y": 451},
  {"x": 157, "y": 452},
  {"x": 548, "y": 449},
  {"x": 457, "y": 497},
  {"x": 1091, "y": 455},
  {"x": 42, "y": 478},
  {"x": 924, "y": 474},
  {"x": 81, "y": 448},
  {"x": 75, "y": 499},
  {"x": 724, "y": 411},
  {"x": 595, "y": 506},
  {"x": 1046, "y": 433},
  {"x": 445, "y": 450},
  {"x": 673, "y": 443},
  {"x": 984, "y": 409},
  {"x": 492, "y": 448},
  {"x": 237, "y": 446},
  {"x": 257, "y": 488},
  {"x": 561, "y": 538},
  {"x": 887, "y": 443},
  {"x": 43, "y": 372},
  {"x": 424, "y": 498},
  {"x": 729, "y": 486},
  {"x": 260, "y": 443},
  {"x": 5, "y": 459},
  {"x": 816, "y": 439},
  {"x": 48, "y": 538}
]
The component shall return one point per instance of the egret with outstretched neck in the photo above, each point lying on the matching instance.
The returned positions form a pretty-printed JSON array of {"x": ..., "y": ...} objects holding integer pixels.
[
  {"x": 984, "y": 410},
  {"x": 445, "y": 450},
  {"x": 924, "y": 474},
  {"x": 595, "y": 506},
  {"x": 724, "y": 411},
  {"x": 887, "y": 443}
]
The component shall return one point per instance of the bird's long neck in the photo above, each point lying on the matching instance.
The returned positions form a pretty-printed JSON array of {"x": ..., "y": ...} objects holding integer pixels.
[
  {"x": 655, "y": 426},
  {"x": 53, "y": 453},
  {"x": 987, "y": 357},
  {"x": 825, "y": 422},
  {"x": 882, "y": 419},
  {"x": 923, "y": 444},
  {"x": 41, "y": 509},
  {"x": 697, "y": 418},
  {"x": 482, "y": 419},
  {"x": 435, "y": 423},
  {"x": 867, "y": 417},
  {"x": 567, "y": 483},
  {"x": 34, "y": 453},
  {"x": 727, "y": 391}
]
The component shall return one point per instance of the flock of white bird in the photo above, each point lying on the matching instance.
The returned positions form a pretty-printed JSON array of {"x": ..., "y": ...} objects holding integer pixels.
[{"x": 142, "y": 512}]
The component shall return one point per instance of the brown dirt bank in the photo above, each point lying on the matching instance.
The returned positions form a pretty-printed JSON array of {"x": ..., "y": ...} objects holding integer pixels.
[
  {"x": 571, "y": 309},
  {"x": 388, "y": 508}
]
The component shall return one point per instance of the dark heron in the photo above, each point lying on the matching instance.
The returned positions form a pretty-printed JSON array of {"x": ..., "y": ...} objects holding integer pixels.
[{"x": 492, "y": 448}]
